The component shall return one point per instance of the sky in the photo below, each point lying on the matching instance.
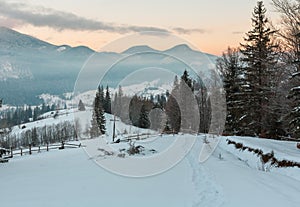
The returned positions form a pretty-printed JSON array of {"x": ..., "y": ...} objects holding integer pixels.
[{"x": 210, "y": 25}]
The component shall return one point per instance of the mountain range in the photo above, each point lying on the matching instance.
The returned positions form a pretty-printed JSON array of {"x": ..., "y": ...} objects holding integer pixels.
[{"x": 30, "y": 67}]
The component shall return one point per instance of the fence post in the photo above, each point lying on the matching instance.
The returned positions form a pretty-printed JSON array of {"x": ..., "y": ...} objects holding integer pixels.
[
  {"x": 21, "y": 151},
  {"x": 30, "y": 149},
  {"x": 47, "y": 146},
  {"x": 62, "y": 145},
  {"x": 11, "y": 152},
  {"x": 39, "y": 149}
]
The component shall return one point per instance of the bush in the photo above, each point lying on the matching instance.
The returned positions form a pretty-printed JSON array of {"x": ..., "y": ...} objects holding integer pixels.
[
  {"x": 134, "y": 149},
  {"x": 238, "y": 145}
]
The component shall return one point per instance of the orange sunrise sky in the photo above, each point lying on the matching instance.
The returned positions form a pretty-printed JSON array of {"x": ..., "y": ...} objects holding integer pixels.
[{"x": 210, "y": 25}]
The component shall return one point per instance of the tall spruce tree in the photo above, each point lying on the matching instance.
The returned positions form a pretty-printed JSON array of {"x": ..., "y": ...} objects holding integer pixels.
[
  {"x": 94, "y": 130},
  {"x": 118, "y": 103},
  {"x": 173, "y": 115},
  {"x": 173, "y": 110},
  {"x": 107, "y": 101},
  {"x": 188, "y": 104},
  {"x": 99, "y": 110},
  {"x": 182, "y": 105},
  {"x": 81, "y": 106},
  {"x": 259, "y": 53},
  {"x": 144, "y": 121},
  {"x": 230, "y": 66}
]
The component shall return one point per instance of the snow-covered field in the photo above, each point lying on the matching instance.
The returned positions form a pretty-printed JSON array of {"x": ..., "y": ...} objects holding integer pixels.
[{"x": 229, "y": 178}]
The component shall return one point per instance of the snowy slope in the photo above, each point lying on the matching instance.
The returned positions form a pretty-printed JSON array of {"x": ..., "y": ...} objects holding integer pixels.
[
  {"x": 144, "y": 89},
  {"x": 228, "y": 178}
]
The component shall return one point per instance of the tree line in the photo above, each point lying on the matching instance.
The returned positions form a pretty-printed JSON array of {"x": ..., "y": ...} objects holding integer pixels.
[
  {"x": 40, "y": 135},
  {"x": 262, "y": 76},
  {"x": 169, "y": 112},
  {"x": 22, "y": 115}
]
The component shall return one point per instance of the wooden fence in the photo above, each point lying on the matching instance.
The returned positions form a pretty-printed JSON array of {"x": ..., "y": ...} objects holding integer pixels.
[{"x": 6, "y": 154}]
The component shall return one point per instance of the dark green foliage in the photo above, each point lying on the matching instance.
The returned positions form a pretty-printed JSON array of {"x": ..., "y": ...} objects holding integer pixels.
[
  {"x": 94, "y": 130},
  {"x": 144, "y": 121},
  {"x": 231, "y": 67},
  {"x": 252, "y": 81},
  {"x": 260, "y": 68},
  {"x": 107, "y": 102},
  {"x": 167, "y": 128},
  {"x": 184, "y": 103},
  {"x": 12, "y": 117},
  {"x": 139, "y": 109},
  {"x": 99, "y": 110},
  {"x": 174, "y": 115},
  {"x": 81, "y": 106}
]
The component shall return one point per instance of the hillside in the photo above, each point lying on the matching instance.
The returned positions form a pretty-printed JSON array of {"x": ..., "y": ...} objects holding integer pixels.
[
  {"x": 30, "y": 67},
  {"x": 229, "y": 178}
]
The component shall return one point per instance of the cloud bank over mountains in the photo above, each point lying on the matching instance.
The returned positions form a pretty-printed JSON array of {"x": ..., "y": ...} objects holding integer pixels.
[{"x": 16, "y": 14}]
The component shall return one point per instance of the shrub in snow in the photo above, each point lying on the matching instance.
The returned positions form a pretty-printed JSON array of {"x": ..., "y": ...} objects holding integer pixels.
[
  {"x": 134, "y": 149},
  {"x": 238, "y": 145},
  {"x": 265, "y": 158}
]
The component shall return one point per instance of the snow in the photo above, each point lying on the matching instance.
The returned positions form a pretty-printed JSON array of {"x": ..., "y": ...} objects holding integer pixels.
[
  {"x": 144, "y": 89},
  {"x": 228, "y": 178},
  {"x": 296, "y": 88},
  {"x": 61, "y": 49},
  {"x": 10, "y": 70}
]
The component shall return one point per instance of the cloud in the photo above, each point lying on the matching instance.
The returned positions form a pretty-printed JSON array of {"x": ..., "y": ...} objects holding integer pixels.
[
  {"x": 6, "y": 22},
  {"x": 188, "y": 31},
  {"x": 41, "y": 17}
]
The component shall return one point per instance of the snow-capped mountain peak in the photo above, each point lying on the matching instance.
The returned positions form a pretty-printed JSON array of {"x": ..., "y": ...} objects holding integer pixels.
[{"x": 139, "y": 49}]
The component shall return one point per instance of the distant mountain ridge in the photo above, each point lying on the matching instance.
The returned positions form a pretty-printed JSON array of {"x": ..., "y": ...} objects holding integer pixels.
[{"x": 30, "y": 67}]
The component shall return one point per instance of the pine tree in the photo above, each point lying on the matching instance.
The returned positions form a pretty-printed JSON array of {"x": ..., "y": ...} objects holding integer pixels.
[
  {"x": 34, "y": 137},
  {"x": 107, "y": 101},
  {"x": 188, "y": 104},
  {"x": 144, "y": 121},
  {"x": 81, "y": 106},
  {"x": 99, "y": 110},
  {"x": 260, "y": 58},
  {"x": 36, "y": 113},
  {"x": 176, "y": 82},
  {"x": 117, "y": 103},
  {"x": 29, "y": 112},
  {"x": 167, "y": 128},
  {"x": 187, "y": 80},
  {"x": 94, "y": 130},
  {"x": 230, "y": 66},
  {"x": 53, "y": 107},
  {"x": 172, "y": 109},
  {"x": 43, "y": 108}
]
